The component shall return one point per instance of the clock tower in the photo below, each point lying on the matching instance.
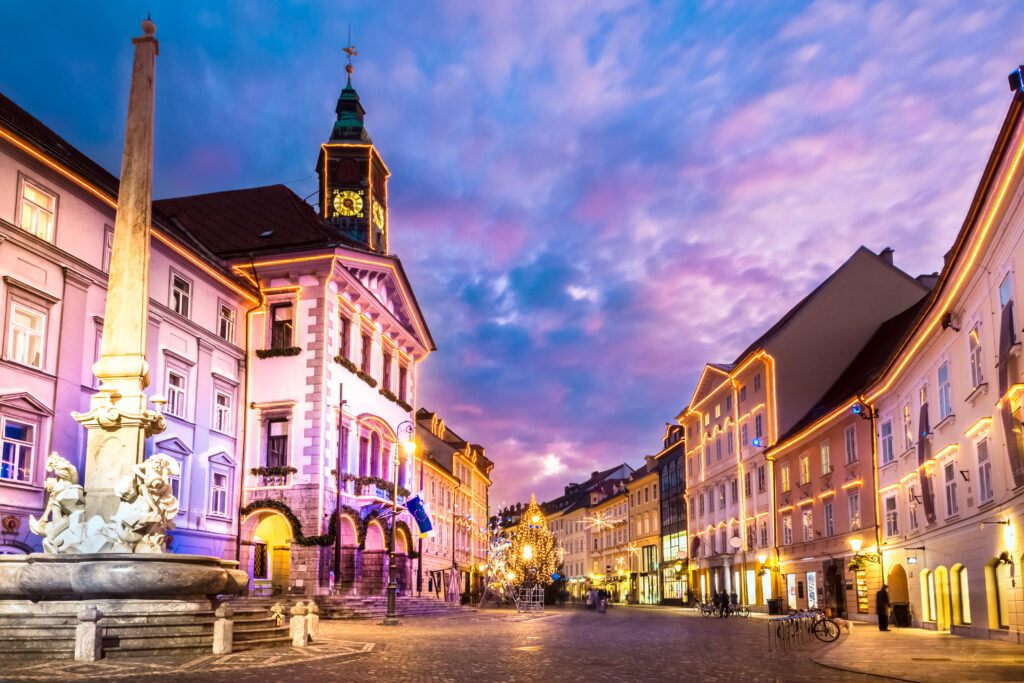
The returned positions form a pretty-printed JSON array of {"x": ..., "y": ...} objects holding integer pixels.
[{"x": 353, "y": 177}]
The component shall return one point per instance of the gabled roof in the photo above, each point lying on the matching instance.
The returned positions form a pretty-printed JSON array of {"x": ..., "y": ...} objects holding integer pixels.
[
  {"x": 866, "y": 367},
  {"x": 710, "y": 379},
  {"x": 258, "y": 219}
]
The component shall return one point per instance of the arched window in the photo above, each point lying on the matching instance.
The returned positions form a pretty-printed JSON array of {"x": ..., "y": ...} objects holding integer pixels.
[
  {"x": 959, "y": 593},
  {"x": 997, "y": 587},
  {"x": 927, "y": 596},
  {"x": 376, "y": 455},
  {"x": 364, "y": 456}
]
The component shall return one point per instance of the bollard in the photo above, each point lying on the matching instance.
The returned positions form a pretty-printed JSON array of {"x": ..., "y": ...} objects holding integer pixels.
[
  {"x": 277, "y": 611},
  {"x": 297, "y": 626},
  {"x": 312, "y": 620},
  {"x": 89, "y": 635},
  {"x": 223, "y": 630}
]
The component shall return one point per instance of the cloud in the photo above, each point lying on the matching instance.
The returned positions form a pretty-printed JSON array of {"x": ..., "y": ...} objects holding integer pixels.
[{"x": 592, "y": 198}]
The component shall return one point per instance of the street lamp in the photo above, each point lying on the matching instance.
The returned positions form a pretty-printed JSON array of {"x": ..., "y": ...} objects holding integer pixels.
[
  {"x": 409, "y": 446},
  {"x": 858, "y": 556}
]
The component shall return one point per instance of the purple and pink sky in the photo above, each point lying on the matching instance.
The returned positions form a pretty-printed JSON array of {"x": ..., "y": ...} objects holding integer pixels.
[{"x": 592, "y": 197}]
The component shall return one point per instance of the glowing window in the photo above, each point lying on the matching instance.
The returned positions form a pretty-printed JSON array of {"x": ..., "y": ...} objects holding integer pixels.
[{"x": 37, "y": 211}]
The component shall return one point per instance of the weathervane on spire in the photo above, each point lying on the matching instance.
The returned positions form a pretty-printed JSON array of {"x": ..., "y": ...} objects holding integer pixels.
[{"x": 351, "y": 52}]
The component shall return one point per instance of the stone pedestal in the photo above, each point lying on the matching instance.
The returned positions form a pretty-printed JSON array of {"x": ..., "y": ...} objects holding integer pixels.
[
  {"x": 223, "y": 630},
  {"x": 89, "y": 635}
]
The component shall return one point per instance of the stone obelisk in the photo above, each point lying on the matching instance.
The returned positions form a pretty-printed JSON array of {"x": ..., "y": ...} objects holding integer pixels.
[{"x": 119, "y": 420}]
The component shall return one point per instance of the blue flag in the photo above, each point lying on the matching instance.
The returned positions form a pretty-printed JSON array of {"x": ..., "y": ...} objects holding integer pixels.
[{"x": 418, "y": 510}]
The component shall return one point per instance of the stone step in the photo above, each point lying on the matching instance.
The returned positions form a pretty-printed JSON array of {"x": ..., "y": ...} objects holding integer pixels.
[
  {"x": 32, "y": 631},
  {"x": 40, "y": 651},
  {"x": 155, "y": 630},
  {"x": 158, "y": 641},
  {"x": 268, "y": 641},
  {"x": 254, "y": 633}
]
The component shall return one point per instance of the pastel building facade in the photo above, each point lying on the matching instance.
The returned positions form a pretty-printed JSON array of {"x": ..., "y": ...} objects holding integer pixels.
[
  {"x": 57, "y": 210},
  {"x": 948, "y": 425},
  {"x": 644, "y": 546},
  {"x": 674, "y": 551},
  {"x": 738, "y": 410}
]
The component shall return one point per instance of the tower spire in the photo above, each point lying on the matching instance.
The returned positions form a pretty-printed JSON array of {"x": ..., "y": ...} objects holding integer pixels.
[
  {"x": 351, "y": 52},
  {"x": 349, "y": 125}
]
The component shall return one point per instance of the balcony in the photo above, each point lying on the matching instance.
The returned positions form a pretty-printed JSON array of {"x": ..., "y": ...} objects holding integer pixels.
[{"x": 273, "y": 476}]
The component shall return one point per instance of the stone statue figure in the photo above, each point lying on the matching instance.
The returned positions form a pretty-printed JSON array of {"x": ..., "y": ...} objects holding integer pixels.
[
  {"x": 147, "y": 509},
  {"x": 61, "y": 525}
]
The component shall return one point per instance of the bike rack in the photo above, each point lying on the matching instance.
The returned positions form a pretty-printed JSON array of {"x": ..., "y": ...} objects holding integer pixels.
[{"x": 787, "y": 633}]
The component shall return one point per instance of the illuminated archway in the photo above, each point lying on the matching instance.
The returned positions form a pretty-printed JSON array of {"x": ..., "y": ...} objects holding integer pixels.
[
  {"x": 899, "y": 588},
  {"x": 943, "y": 612},
  {"x": 266, "y": 554}
]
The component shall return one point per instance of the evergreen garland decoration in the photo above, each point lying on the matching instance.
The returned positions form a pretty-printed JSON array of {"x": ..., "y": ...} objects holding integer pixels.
[
  {"x": 279, "y": 471},
  {"x": 274, "y": 353},
  {"x": 390, "y": 395}
]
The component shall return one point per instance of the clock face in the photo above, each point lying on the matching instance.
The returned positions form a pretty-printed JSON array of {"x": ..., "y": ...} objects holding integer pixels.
[
  {"x": 347, "y": 203},
  {"x": 378, "y": 213}
]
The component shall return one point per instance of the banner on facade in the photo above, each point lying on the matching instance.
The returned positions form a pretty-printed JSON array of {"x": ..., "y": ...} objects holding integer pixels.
[
  {"x": 924, "y": 454},
  {"x": 418, "y": 510}
]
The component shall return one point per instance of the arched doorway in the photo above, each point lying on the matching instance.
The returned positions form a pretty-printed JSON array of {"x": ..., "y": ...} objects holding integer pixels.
[
  {"x": 960, "y": 595},
  {"x": 374, "y": 564},
  {"x": 403, "y": 565},
  {"x": 899, "y": 595},
  {"x": 943, "y": 612},
  {"x": 266, "y": 552}
]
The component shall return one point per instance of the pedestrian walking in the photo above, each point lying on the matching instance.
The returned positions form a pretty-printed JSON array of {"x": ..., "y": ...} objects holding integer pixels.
[
  {"x": 882, "y": 607},
  {"x": 602, "y": 601}
]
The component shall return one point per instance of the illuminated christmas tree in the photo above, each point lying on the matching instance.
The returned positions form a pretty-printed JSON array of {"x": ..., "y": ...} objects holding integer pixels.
[{"x": 531, "y": 557}]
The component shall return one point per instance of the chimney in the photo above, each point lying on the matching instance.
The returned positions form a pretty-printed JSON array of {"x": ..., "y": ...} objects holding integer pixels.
[
  {"x": 886, "y": 255},
  {"x": 593, "y": 475}
]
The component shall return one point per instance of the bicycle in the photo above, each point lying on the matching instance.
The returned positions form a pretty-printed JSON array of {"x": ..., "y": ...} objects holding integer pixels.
[
  {"x": 739, "y": 610},
  {"x": 823, "y": 627},
  {"x": 707, "y": 609}
]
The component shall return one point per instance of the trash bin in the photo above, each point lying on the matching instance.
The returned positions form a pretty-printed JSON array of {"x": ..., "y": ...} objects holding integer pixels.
[
  {"x": 775, "y": 606},
  {"x": 901, "y": 614}
]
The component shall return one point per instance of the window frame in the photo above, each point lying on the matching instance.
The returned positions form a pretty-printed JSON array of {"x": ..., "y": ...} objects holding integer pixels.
[
  {"x": 36, "y": 310},
  {"x": 272, "y": 325},
  {"x": 19, "y": 445},
  {"x": 886, "y": 442},
  {"x": 976, "y": 356},
  {"x": 949, "y": 472},
  {"x": 23, "y": 182},
  {"x": 891, "y": 515},
  {"x": 944, "y": 391},
  {"x": 229, "y": 334},
  {"x": 217, "y": 411},
  {"x": 285, "y": 453},
  {"x": 214, "y": 490},
  {"x": 850, "y": 439},
  {"x": 171, "y": 406},
  {"x": 173, "y": 300},
  {"x": 825, "y": 452},
  {"x": 984, "y": 470}
]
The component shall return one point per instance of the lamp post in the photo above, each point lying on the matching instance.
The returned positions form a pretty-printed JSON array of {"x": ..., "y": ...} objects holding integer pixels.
[{"x": 391, "y": 618}]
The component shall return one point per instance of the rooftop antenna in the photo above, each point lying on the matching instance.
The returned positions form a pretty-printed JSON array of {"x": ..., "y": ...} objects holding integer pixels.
[{"x": 351, "y": 52}]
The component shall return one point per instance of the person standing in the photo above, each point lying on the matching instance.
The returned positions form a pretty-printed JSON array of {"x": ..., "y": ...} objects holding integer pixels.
[
  {"x": 882, "y": 607},
  {"x": 723, "y": 604}
]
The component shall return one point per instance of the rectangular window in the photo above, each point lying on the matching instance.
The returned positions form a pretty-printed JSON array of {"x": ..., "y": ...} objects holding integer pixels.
[
  {"x": 277, "y": 443},
  {"x": 222, "y": 412},
  {"x": 743, "y": 392},
  {"x": 718, "y": 448},
  {"x": 747, "y": 487},
  {"x": 1005, "y": 291},
  {"x": 743, "y": 436},
  {"x": 403, "y": 378},
  {"x": 707, "y": 455},
  {"x": 886, "y": 440},
  {"x": 826, "y": 458},
  {"x": 16, "y": 457},
  {"x": 718, "y": 410},
  {"x": 281, "y": 326},
  {"x": 808, "y": 525},
  {"x": 25, "y": 339},
  {"x": 385, "y": 374},
  {"x": 735, "y": 490},
  {"x": 784, "y": 474},
  {"x": 721, "y": 495},
  {"x": 181, "y": 295},
  {"x": 787, "y": 530},
  {"x": 175, "y": 393},
  {"x": 343, "y": 335},
  {"x": 728, "y": 403},
  {"x": 761, "y": 482},
  {"x": 945, "y": 401},
  {"x": 805, "y": 469},
  {"x": 757, "y": 382},
  {"x": 851, "y": 444},
  {"x": 730, "y": 442},
  {"x": 853, "y": 498},
  {"x": 892, "y": 524},
  {"x": 830, "y": 520},
  {"x": 226, "y": 323},
  {"x": 108, "y": 247},
  {"x": 700, "y": 504},
  {"x": 37, "y": 207},
  {"x": 689, "y": 467},
  {"x": 975, "y": 357},
  {"x": 757, "y": 427},
  {"x": 365, "y": 349},
  {"x": 751, "y": 536},
  {"x": 219, "y": 494},
  {"x": 908, "y": 431},
  {"x": 912, "y": 505},
  {"x": 711, "y": 500},
  {"x": 984, "y": 472},
  {"x": 949, "y": 472},
  {"x": 764, "y": 534}
]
